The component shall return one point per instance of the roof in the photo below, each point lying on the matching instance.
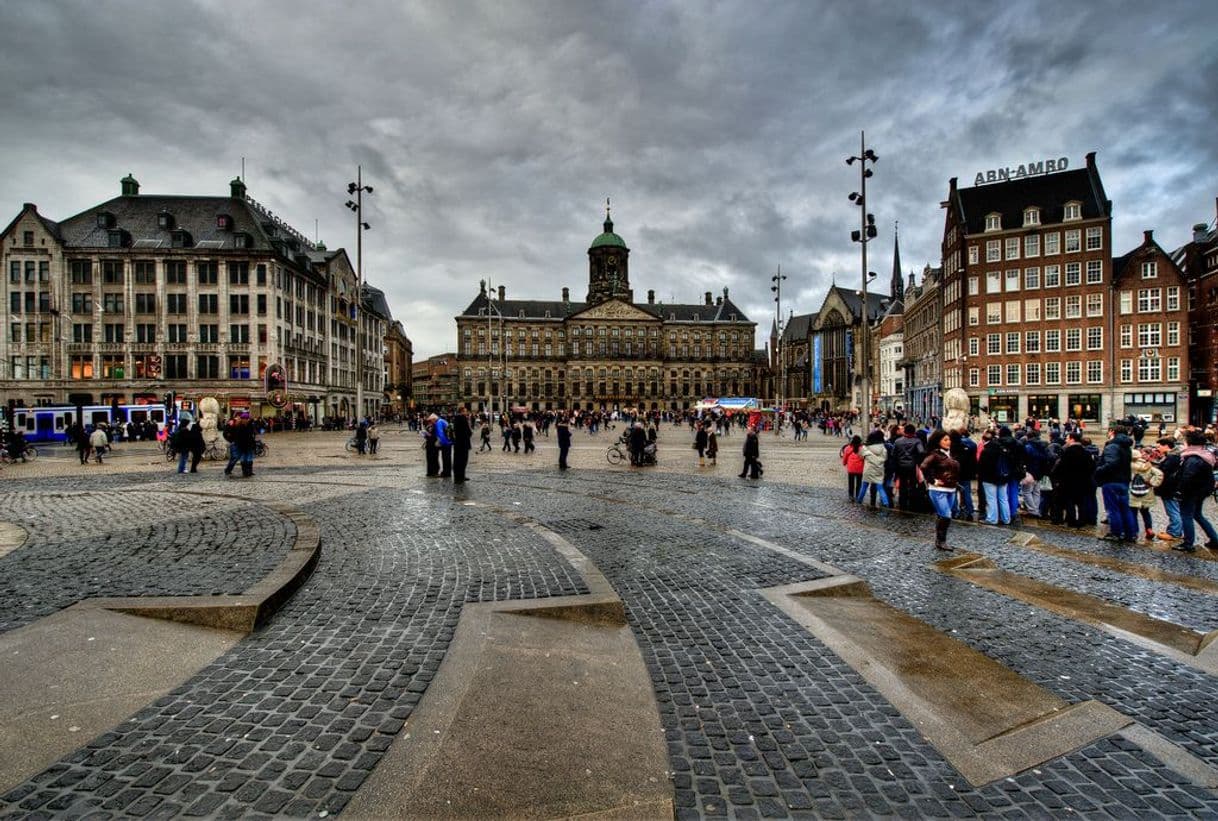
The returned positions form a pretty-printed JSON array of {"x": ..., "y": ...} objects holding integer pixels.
[
  {"x": 543, "y": 309},
  {"x": 608, "y": 237},
  {"x": 798, "y": 328},
  {"x": 876, "y": 303},
  {"x": 1049, "y": 193},
  {"x": 51, "y": 226},
  {"x": 374, "y": 300}
]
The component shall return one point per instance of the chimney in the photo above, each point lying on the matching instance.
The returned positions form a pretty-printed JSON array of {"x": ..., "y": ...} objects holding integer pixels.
[
  {"x": 709, "y": 300},
  {"x": 718, "y": 300},
  {"x": 236, "y": 188},
  {"x": 502, "y": 293},
  {"x": 130, "y": 188},
  {"x": 566, "y": 294},
  {"x": 1148, "y": 236},
  {"x": 1199, "y": 232},
  {"x": 651, "y": 297}
]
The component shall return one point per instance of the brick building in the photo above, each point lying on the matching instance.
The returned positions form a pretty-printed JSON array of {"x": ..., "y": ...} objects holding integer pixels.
[
  {"x": 398, "y": 371},
  {"x": 435, "y": 383},
  {"x": 1198, "y": 260},
  {"x": 922, "y": 340}
]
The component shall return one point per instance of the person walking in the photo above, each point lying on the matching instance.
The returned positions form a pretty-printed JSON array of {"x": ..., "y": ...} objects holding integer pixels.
[
  {"x": 374, "y": 436},
  {"x": 1195, "y": 485},
  {"x": 431, "y": 447},
  {"x": 1168, "y": 462},
  {"x": 505, "y": 430},
  {"x": 462, "y": 436},
  {"x": 874, "y": 456},
  {"x": 942, "y": 473},
  {"x": 700, "y": 442},
  {"x": 1113, "y": 472},
  {"x": 528, "y": 434},
  {"x": 636, "y": 440},
  {"x": 77, "y": 434},
  {"x": 484, "y": 435},
  {"x": 517, "y": 435},
  {"x": 98, "y": 442},
  {"x": 712, "y": 446},
  {"x": 752, "y": 455},
  {"x": 852, "y": 459},
  {"x": 361, "y": 438},
  {"x": 445, "y": 444},
  {"x": 563, "y": 426},
  {"x": 180, "y": 442}
]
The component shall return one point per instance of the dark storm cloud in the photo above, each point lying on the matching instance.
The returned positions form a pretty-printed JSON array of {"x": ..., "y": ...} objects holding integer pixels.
[{"x": 492, "y": 132}]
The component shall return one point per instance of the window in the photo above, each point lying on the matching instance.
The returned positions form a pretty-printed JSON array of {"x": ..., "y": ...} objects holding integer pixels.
[
  {"x": 44, "y": 271},
  {"x": 1150, "y": 270},
  {"x": 1173, "y": 298},
  {"x": 1053, "y": 307},
  {"x": 1053, "y": 373},
  {"x": 1031, "y": 278},
  {"x": 208, "y": 367},
  {"x": 1052, "y": 276},
  {"x": 1073, "y": 273},
  {"x": 1031, "y": 310},
  {"x": 993, "y": 313},
  {"x": 176, "y": 332},
  {"x": 1031, "y": 341},
  {"x": 1012, "y": 310},
  {"x": 1012, "y": 279},
  {"x": 113, "y": 332},
  {"x": 1150, "y": 335},
  {"x": 81, "y": 271},
  {"x": 1031, "y": 245},
  {"x": 145, "y": 303},
  {"x": 1074, "y": 339},
  {"x": 1126, "y": 302},
  {"x": 993, "y": 375},
  {"x": 1074, "y": 307},
  {"x": 175, "y": 303},
  {"x": 1013, "y": 342},
  {"x": 1095, "y": 304},
  {"x": 1126, "y": 336},
  {"x": 1095, "y": 272},
  {"x": 1052, "y": 243},
  {"x": 993, "y": 250},
  {"x": 207, "y": 272},
  {"x": 1149, "y": 370},
  {"x": 82, "y": 303},
  {"x": 993, "y": 282},
  {"x": 145, "y": 333},
  {"x": 974, "y": 346},
  {"x": 1095, "y": 371},
  {"x": 175, "y": 272},
  {"x": 1095, "y": 338},
  {"x": 1031, "y": 216},
  {"x": 1074, "y": 373},
  {"x": 239, "y": 367},
  {"x": 112, "y": 303},
  {"x": 112, "y": 271},
  {"x": 1012, "y": 247},
  {"x": 1095, "y": 238},
  {"x": 973, "y": 255},
  {"x": 974, "y": 286},
  {"x": 993, "y": 222},
  {"x": 1126, "y": 370},
  {"x": 144, "y": 272},
  {"x": 974, "y": 315},
  {"x": 239, "y": 334},
  {"x": 82, "y": 367},
  {"x": 1173, "y": 334},
  {"x": 1173, "y": 369},
  {"x": 1150, "y": 300},
  {"x": 238, "y": 273},
  {"x": 1073, "y": 211},
  {"x": 262, "y": 308},
  {"x": 209, "y": 303},
  {"x": 175, "y": 366},
  {"x": 1013, "y": 373},
  {"x": 82, "y": 332},
  {"x": 974, "y": 377},
  {"x": 240, "y": 304},
  {"x": 1032, "y": 373},
  {"x": 1073, "y": 241},
  {"x": 261, "y": 278},
  {"x": 993, "y": 343},
  {"x": 1053, "y": 341}
]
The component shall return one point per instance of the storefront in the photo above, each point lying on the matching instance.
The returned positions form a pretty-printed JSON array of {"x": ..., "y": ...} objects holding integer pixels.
[
  {"x": 1044, "y": 406},
  {"x": 1085, "y": 407},
  {"x": 1152, "y": 407},
  {"x": 1004, "y": 407}
]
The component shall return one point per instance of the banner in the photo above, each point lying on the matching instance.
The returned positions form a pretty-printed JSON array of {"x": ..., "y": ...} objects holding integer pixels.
[{"x": 817, "y": 366}]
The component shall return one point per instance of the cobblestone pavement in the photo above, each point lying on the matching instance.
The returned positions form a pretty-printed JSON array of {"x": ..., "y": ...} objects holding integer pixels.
[{"x": 761, "y": 719}]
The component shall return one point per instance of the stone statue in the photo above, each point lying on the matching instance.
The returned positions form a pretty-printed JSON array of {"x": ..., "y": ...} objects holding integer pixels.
[
  {"x": 209, "y": 418},
  {"x": 956, "y": 407}
]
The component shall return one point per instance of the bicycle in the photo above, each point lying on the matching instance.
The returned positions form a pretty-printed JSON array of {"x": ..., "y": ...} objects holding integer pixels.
[
  {"x": 28, "y": 455},
  {"x": 261, "y": 448},
  {"x": 615, "y": 454},
  {"x": 214, "y": 453}
]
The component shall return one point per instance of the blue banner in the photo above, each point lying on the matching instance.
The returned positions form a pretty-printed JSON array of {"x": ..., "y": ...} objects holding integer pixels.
[
  {"x": 817, "y": 369},
  {"x": 850, "y": 352}
]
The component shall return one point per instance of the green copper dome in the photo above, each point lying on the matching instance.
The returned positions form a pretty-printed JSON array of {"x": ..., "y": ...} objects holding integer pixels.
[{"x": 608, "y": 239}]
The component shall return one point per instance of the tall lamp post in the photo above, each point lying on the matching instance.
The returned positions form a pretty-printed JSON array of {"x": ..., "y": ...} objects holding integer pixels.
[
  {"x": 866, "y": 233},
  {"x": 490, "y": 349},
  {"x": 782, "y": 365},
  {"x": 357, "y": 190}
]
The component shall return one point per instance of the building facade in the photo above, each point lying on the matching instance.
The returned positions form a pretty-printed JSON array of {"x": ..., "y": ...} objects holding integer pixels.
[
  {"x": 790, "y": 363},
  {"x": 398, "y": 371},
  {"x": 1199, "y": 261},
  {"x": 435, "y": 383},
  {"x": 605, "y": 353},
  {"x": 1027, "y": 292},
  {"x": 834, "y": 352},
  {"x": 922, "y": 364},
  {"x": 145, "y": 294}
]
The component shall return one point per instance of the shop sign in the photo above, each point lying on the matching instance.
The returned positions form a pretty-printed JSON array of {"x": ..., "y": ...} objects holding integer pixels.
[{"x": 1031, "y": 169}]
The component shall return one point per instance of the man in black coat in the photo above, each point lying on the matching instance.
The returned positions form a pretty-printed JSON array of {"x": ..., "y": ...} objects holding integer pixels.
[
  {"x": 907, "y": 453},
  {"x": 1196, "y": 483},
  {"x": 636, "y": 443},
  {"x": 1169, "y": 465},
  {"x": 462, "y": 437},
  {"x": 752, "y": 453},
  {"x": 1072, "y": 477},
  {"x": 1113, "y": 471}
]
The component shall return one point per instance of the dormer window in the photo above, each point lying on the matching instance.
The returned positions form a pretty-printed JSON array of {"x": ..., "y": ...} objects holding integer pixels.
[
  {"x": 118, "y": 238},
  {"x": 695, "y": 317},
  {"x": 181, "y": 238},
  {"x": 1031, "y": 216},
  {"x": 1074, "y": 211},
  {"x": 105, "y": 219},
  {"x": 224, "y": 222},
  {"x": 241, "y": 240},
  {"x": 521, "y": 313},
  {"x": 164, "y": 221},
  {"x": 993, "y": 222}
]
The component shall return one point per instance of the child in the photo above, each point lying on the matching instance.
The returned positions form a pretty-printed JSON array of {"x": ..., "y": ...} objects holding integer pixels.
[{"x": 852, "y": 458}]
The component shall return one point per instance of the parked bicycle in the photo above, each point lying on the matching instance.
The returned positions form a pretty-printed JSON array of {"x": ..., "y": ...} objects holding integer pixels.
[{"x": 28, "y": 455}]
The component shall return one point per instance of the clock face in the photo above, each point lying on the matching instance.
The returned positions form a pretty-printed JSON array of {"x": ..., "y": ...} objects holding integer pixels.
[{"x": 611, "y": 262}]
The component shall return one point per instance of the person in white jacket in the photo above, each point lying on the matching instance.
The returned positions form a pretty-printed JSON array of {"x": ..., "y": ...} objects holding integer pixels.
[
  {"x": 99, "y": 442},
  {"x": 875, "y": 454}
]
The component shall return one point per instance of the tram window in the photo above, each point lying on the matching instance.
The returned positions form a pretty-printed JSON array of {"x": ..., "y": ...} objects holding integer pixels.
[
  {"x": 158, "y": 416},
  {"x": 99, "y": 417},
  {"x": 59, "y": 423}
]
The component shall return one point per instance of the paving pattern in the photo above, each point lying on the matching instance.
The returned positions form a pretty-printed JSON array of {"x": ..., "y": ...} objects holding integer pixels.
[{"x": 760, "y": 718}]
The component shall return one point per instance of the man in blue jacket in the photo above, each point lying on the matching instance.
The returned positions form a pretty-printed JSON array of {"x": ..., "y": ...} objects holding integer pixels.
[
  {"x": 445, "y": 443},
  {"x": 1113, "y": 472}
]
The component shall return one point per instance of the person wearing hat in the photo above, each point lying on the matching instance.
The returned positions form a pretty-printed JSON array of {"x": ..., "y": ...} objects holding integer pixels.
[{"x": 430, "y": 447}]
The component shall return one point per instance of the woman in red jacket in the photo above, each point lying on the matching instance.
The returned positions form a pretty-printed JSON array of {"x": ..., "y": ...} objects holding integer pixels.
[{"x": 852, "y": 458}]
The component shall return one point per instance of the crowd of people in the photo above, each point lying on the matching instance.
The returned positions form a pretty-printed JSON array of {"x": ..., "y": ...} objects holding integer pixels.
[{"x": 1060, "y": 477}]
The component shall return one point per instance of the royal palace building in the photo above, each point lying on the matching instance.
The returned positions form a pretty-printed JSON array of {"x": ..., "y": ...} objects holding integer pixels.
[
  {"x": 607, "y": 352},
  {"x": 199, "y": 295}
]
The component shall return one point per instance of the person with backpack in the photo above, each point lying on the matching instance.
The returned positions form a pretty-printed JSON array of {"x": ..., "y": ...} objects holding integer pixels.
[
  {"x": 964, "y": 451},
  {"x": 852, "y": 459},
  {"x": 1167, "y": 460},
  {"x": 1036, "y": 465},
  {"x": 1113, "y": 472},
  {"x": 1195, "y": 485},
  {"x": 994, "y": 471},
  {"x": 1014, "y": 469},
  {"x": 1145, "y": 477},
  {"x": 907, "y": 453}
]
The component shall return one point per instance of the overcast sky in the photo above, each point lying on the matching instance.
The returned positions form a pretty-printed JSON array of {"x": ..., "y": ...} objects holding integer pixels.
[{"x": 493, "y": 132}]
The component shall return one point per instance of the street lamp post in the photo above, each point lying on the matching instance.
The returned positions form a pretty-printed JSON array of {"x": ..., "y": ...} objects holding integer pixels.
[
  {"x": 866, "y": 233},
  {"x": 782, "y": 365},
  {"x": 357, "y": 189}
]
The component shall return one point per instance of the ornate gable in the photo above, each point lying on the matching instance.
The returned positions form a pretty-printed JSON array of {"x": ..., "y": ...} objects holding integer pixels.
[{"x": 614, "y": 309}]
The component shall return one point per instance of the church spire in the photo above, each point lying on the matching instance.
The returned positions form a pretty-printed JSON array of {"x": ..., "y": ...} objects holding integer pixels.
[
  {"x": 608, "y": 219},
  {"x": 897, "y": 286}
]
